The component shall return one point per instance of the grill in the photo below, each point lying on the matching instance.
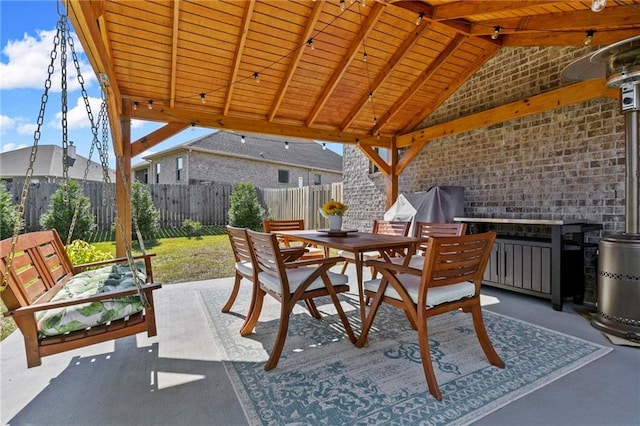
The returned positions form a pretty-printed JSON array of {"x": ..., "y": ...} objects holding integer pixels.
[{"x": 619, "y": 258}]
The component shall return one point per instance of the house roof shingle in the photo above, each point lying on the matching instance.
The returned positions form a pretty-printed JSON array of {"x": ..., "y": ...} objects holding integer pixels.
[{"x": 301, "y": 153}]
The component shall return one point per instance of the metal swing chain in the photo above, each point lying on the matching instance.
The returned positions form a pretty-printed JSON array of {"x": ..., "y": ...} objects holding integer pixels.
[{"x": 32, "y": 159}]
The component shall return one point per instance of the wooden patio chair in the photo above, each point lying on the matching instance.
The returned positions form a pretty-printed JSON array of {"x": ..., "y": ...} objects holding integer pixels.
[
  {"x": 288, "y": 283},
  {"x": 386, "y": 227},
  {"x": 450, "y": 280},
  {"x": 313, "y": 252},
  {"x": 242, "y": 256},
  {"x": 430, "y": 229}
]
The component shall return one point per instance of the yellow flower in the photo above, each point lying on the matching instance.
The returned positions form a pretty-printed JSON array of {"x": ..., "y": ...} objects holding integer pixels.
[{"x": 334, "y": 207}]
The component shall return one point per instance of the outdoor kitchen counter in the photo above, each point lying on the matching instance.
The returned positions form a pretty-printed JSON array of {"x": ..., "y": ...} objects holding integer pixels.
[{"x": 558, "y": 244}]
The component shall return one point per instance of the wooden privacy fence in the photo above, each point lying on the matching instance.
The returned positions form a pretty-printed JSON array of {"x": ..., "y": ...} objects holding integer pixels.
[
  {"x": 301, "y": 203},
  {"x": 208, "y": 204}
]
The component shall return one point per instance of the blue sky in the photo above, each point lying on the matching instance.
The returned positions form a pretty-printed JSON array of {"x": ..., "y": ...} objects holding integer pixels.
[{"x": 27, "y": 30}]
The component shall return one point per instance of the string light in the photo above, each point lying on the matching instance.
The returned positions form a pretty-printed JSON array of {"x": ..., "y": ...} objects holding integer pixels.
[
  {"x": 370, "y": 96},
  {"x": 341, "y": 5},
  {"x": 598, "y": 5},
  {"x": 375, "y": 120},
  {"x": 310, "y": 44},
  {"x": 324, "y": 146},
  {"x": 202, "y": 98},
  {"x": 496, "y": 32},
  {"x": 589, "y": 38},
  {"x": 242, "y": 140},
  {"x": 286, "y": 145},
  {"x": 420, "y": 17},
  {"x": 364, "y": 56},
  {"x": 256, "y": 77},
  {"x": 150, "y": 104},
  {"x": 135, "y": 106}
]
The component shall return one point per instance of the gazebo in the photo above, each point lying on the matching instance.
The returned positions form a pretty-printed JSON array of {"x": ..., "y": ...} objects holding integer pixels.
[{"x": 363, "y": 73}]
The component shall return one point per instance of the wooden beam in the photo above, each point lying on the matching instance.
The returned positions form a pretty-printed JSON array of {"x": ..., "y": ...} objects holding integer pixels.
[
  {"x": 386, "y": 71},
  {"x": 218, "y": 121},
  {"x": 571, "y": 38},
  {"x": 237, "y": 58},
  {"x": 157, "y": 136},
  {"x": 567, "y": 95},
  {"x": 419, "y": 82},
  {"x": 375, "y": 158},
  {"x": 85, "y": 22},
  {"x": 174, "y": 51},
  {"x": 464, "y": 9},
  {"x": 376, "y": 12},
  {"x": 392, "y": 179},
  {"x": 478, "y": 62},
  {"x": 293, "y": 66},
  {"x": 123, "y": 184}
]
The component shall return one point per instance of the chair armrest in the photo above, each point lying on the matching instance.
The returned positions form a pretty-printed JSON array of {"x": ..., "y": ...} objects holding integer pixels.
[
  {"x": 312, "y": 262},
  {"x": 37, "y": 307},
  {"x": 292, "y": 253},
  {"x": 394, "y": 267}
]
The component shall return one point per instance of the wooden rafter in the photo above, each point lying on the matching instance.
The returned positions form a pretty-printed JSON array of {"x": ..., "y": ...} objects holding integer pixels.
[
  {"x": 237, "y": 58},
  {"x": 567, "y": 95},
  {"x": 401, "y": 53},
  {"x": 375, "y": 158},
  {"x": 293, "y": 66},
  {"x": 575, "y": 38},
  {"x": 369, "y": 24},
  {"x": 174, "y": 50},
  {"x": 156, "y": 137},
  {"x": 420, "y": 81},
  {"x": 458, "y": 10}
]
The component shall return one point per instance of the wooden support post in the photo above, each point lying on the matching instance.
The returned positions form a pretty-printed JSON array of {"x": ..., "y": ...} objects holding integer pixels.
[
  {"x": 123, "y": 182},
  {"x": 392, "y": 177}
]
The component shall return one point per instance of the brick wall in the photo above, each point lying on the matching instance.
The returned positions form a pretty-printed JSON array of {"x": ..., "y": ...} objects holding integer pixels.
[{"x": 562, "y": 164}]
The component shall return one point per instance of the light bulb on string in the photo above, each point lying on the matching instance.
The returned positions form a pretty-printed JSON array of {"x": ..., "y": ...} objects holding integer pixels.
[
  {"x": 598, "y": 5},
  {"x": 242, "y": 140},
  {"x": 341, "y": 5},
  {"x": 364, "y": 57},
  {"x": 286, "y": 145},
  {"x": 375, "y": 120},
  {"x": 203, "y": 98},
  {"x": 324, "y": 146},
  {"x": 256, "y": 77},
  {"x": 135, "y": 106},
  {"x": 310, "y": 44},
  {"x": 150, "y": 104},
  {"x": 496, "y": 32},
  {"x": 370, "y": 96},
  {"x": 589, "y": 37},
  {"x": 419, "y": 19}
]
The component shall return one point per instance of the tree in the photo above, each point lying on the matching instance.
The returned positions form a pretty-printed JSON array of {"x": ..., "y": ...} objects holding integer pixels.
[
  {"x": 8, "y": 212},
  {"x": 144, "y": 212},
  {"x": 62, "y": 208},
  {"x": 245, "y": 210}
]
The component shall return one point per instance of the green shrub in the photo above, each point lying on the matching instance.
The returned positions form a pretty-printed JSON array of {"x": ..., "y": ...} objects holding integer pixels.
[
  {"x": 245, "y": 210},
  {"x": 82, "y": 252},
  {"x": 192, "y": 228},
  {"x": 62, "y": 208},
  {"x": 8, "y": 213},
  {"x": 144, "y": 212}
]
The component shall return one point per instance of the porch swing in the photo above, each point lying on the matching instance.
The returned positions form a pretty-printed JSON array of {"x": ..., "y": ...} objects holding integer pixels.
[{"x": 58, "y": 306}]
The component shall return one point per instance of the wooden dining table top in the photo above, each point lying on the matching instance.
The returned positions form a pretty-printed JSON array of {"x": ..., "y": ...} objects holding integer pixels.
[{"x": 352, "y": 241}]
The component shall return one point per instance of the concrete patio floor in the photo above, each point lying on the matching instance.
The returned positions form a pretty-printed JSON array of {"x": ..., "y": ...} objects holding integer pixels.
[{"x": 178, "y": 378}]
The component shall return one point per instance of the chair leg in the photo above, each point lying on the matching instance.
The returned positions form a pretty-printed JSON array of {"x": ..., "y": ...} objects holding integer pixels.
[
  {"x": 285, "y": 311},
  {"x": 313, "y": 310},
  {"x": 483, "y": 337},
  {"x": 344, "y": 266},
  {"x": 254, "y": 313},
  {"x": 427, "y": 365},
  {"x": 234, "y": 293}
]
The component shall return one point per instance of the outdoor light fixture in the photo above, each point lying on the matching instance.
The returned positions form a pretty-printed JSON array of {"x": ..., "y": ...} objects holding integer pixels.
[
  {"x": 242, "y": 140},
  {"x": 202, "y": 98},
  {"x": 256, "y": 77},
  {"x": 342, "y": 5},
  {"x": 598, "y": 5},
  {"x": 589, "y": 38},
  {"x": 324, "y": 146},
  {"x": 370, "y": 96},
  {"x": 286, "y": 145},
  {"x": 310, "y": 44},
  {"x": 364, "y": 57},
  {"x": 150, "y": 104},
  {"x": 420, "y": 16},
  {"x": 496, "y": 32},
  {"x": 135, "y": 106}
]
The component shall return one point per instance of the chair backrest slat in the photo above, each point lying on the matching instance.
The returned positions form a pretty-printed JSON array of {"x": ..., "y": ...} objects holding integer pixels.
[
  {"x": 239, "y": 243},
  {"x": 266, "y": 253},
  {"x": 437, "y": 229},
  {"x": 390, "y": 227}
]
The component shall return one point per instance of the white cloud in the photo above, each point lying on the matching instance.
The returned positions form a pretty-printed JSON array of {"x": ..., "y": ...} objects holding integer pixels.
[
  {"x": 78, "y": 117},
  {"x": 29, "y": 61},
  {"x": 27, "y": 128},
  {"x": 11, "y": 146},
  {"x": 6, "y": 123}
]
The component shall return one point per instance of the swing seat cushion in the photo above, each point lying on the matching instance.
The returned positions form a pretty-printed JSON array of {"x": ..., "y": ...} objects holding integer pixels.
[{"x": 59, "y": 321}]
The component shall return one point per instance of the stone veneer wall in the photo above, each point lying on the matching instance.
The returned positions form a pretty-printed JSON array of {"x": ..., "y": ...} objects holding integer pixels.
[{"x": 565, "y": 164}]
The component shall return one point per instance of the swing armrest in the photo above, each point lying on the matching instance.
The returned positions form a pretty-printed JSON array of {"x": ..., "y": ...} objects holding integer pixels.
[
  {"x": 147, "y": 263},
  {"x": 37, "y": 307}
]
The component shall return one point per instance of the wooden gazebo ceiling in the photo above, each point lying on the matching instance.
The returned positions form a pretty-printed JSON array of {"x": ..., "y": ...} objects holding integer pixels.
[{"x": 171, "y": 52}]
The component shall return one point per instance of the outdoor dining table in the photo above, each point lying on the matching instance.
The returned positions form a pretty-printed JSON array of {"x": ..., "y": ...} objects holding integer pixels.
[{"x": 357, "y": 243}]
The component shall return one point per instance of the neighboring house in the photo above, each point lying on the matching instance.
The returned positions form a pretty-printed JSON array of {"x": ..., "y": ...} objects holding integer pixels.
[
  {"x": 48, "y": 165},
  {"x": 227, "y": 157}
]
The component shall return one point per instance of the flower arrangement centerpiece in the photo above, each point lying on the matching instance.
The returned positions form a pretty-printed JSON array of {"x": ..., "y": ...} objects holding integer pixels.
[{"x": 333, "y": 210}]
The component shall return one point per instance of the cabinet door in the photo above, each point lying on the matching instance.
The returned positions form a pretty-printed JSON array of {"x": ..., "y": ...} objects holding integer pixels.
[
  {"x": 492, "y": 272},
  {"x": 527, "y": 266}
]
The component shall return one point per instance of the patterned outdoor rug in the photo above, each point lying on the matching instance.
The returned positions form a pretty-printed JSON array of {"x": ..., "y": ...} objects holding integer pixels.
[{"x": 322, "y": 378}]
